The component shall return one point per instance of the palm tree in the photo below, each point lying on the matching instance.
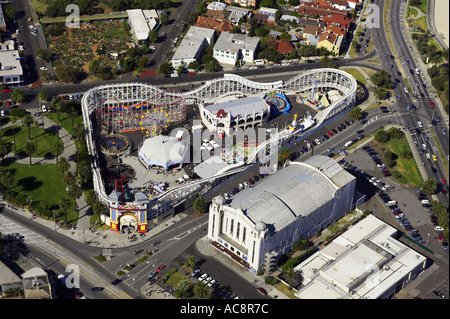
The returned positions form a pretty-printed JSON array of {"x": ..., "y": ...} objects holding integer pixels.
[
  {"x": 57, "y": 105},
  {"x": 183, "y": 285},
  {"x": 356, "y": 113},
  {"x": 429, "y": 186},
  {"x": 36, "y": 125},
  {"x": 75, "y": 193},
  {"x": 201, "y": 290},
  {"x": 284, "y": 155},
  {"x": 57, "y": 150},
  {"x": 13, "y": 120},
  {"x": 290, "y": 274},
  {"x": 28, "y": 121},
  {"x": 69, "y": 179},
  {"x": 84, "y": 170},
  {"x": 98, "y": 208},
  {"x": 29, "y": 148},
  {"x": 63, "y": 165},
  {"x": 64, "y": 203},
  {"x": 72, "y": 113}
]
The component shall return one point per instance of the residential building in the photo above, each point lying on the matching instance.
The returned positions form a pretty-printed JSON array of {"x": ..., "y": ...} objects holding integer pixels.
[
  {"x": 242, "y": 113},
  {"x": 268, "y": 11},
  {"x": 258, "y": 225},
  {"x": 365, "y": 262},
  {"x": 192, "y": 46},
  {"x": 141, "y": 22},
  {"x": 211, "y": 23},
  {"x": 244, "y": 3},
  {"x": 230, "y": 48},
  {"x": 11, "y": 71},
  {"x": 216, "y": 6},
  {"x": 330, "y": 41},
  {"x": 36, "y": 284}
]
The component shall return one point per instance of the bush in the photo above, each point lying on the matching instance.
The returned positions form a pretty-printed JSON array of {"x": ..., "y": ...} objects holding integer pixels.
[{"x": 270, "y": 280}]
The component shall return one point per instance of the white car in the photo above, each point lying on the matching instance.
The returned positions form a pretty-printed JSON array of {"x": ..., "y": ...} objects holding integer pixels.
[
  {"x": 427, "y": 155},
  {"x": 253, "y": 67},
  {"x": 226, "y": 196},
  {"x": 17, "y": 31},
  {"x": 208, "y": 279},
  {"x": 43, "y": 68},
  {"x": 212, "y": 282},
  {"x": 2, "y": 113},
  {"x": 438, "y": 228},
  {"x": 419, "y": 124},
  {"x": 44, "y": 108},
  {"x": 203, "y": 277},
  {"x": 21, "y": 48},
  {"x": 399, "y": 215},
  {"x": 317, "y": 141}
]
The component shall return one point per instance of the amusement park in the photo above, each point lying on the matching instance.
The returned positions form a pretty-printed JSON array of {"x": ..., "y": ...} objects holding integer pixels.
[{"x": 148, "y": 155}]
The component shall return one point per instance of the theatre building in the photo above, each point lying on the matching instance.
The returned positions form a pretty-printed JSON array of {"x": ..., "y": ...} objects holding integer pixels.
[
  {"x": 131, "y": 213},
  {"x": 258, "y": 225}
]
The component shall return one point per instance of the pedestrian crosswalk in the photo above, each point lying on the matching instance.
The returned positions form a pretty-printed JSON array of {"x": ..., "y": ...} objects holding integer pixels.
[{"x": 9, "y": 227}]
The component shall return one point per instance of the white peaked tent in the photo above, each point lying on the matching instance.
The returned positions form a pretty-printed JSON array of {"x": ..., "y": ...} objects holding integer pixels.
[{"x": 162, "y": 151}]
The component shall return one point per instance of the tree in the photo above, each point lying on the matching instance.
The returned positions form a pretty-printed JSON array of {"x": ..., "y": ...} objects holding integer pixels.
[
  {"x": 64, "y": 204},
  {"x": 69, "y": 179},
  {"x": 390, "y": 158},
  {"x": 57, "y": 150},
  {"x": 199, "y": 205},
  {"x": 17, "y": 96},
  {"x": 44, "y": 95},
  {"x": 57, "y": 105},
  {"x": 183, "y": 285},
  {"x": 284, "y": 155},
  {"x": 290, "y": 274},
  {"x": 356, "y": 113},
  {"x": 194, "y": 65},
  {"x": 396, "y": 133},
  {"x": 63, "y": 165},
  {"x": 28, "y": 121},
  {"x": 75, "y": 192},
  {"x": 180, "y": 69},
  {"x": 191, "y": 261},
  {"x": 165, "y": 68},
  {"x": 29, "y": 148},
  {"x": 429, "y": 186},
  {"x": 381, "y": 93},
  {"x": 152, "y": 36},
  {"x": 212, "y": 66},
  {"x": 7, "y": 179},
  {"x": 201, "y": 290},
  {"x": 98, "y": 208},
  {"x": 381, "y": 136},
  {"x": 67, "y": 73}
]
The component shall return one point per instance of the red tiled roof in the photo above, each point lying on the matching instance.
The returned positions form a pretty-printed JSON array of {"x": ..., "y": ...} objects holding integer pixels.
[{"x": 284, "y": 47}]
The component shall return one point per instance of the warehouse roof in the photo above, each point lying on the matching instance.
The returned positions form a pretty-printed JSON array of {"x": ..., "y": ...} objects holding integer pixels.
[{"x": 297, "y": 190}]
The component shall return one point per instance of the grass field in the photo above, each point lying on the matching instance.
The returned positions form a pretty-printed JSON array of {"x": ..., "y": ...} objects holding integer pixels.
[
  {"x": 356, "y": 74},
  {"x": 45, "y": 139},
  {"x": 41, "y": 183},
  {"x": 407, "y": 167},
  {"x": 66, "y": 121}
]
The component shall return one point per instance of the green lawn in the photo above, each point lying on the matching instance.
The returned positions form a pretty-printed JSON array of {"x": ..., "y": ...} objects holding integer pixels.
[
  {"x": 41, "y": 183},
  {"x": 66, "y": 121},
  {"x": 45, "y": 139},
  {"x": 356, "y": 74},
  {"x": 407, "y": 167}
]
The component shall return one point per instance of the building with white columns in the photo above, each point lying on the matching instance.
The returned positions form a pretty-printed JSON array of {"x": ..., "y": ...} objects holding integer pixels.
[{"x": 259, "y": 224}]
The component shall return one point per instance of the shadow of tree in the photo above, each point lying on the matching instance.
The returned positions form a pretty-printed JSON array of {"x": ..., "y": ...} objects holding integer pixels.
[{"x": 29, "y": 183}]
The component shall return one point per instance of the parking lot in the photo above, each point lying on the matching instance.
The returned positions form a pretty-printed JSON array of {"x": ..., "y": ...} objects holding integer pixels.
[{"x": 401, "y": 206}]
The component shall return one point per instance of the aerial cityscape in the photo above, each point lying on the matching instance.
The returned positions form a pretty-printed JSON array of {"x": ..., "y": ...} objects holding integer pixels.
[{"x": 194, "y": 151}]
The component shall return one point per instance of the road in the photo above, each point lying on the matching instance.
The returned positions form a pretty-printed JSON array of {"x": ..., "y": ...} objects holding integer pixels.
[{"x": 424, "y": 112}]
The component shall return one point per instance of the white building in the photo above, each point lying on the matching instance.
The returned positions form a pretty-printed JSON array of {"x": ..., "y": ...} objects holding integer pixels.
[
  {"x": 217, "y": 6},
  {"x": 10, "y": 68},
  {"x": 241, "y": 113},
  {"x": 257, "y": 225},
  {"x": 268, "y": 11},
  {"x": 141, "y": 22},
  {"x": 230, "y": 48},
  {"x": 365, "y": 262},
  {"x": 192, "y": 46}
]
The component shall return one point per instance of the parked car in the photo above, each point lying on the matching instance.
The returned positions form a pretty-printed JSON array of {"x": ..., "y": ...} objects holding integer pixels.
[
  {"x": 438, "y": 228},
  {"x": 262, "y": 291}
]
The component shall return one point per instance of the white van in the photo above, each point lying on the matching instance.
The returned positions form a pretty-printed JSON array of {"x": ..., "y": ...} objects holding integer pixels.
[
  {"x": 348, "y": 143},
  {"x": 406, "y": 89},
  {"x": 425, "y": 202},
  {"x": 417, "y": 71},
  {"x": 391, "y": 203}
]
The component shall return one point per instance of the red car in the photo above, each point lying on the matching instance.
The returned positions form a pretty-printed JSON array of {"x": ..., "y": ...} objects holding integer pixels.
[
  {"x": 191, "y": 74},
  {"x": 444, "y": 180},
  {"x": 161, "y": 267},
  {"x": 431, "y": 104},
  {"x": 330, "y": 134},
  {"x": 262, "y": 291},
  {"x": 8, "y": 103},
  {"x": 441, "y": 237},
  {"x": 334, "y": 131},
  {"x": 6, "y": 90}
]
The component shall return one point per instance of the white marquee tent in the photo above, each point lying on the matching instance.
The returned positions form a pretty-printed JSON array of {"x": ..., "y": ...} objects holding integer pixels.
[{"x": 162, "y": 151}]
